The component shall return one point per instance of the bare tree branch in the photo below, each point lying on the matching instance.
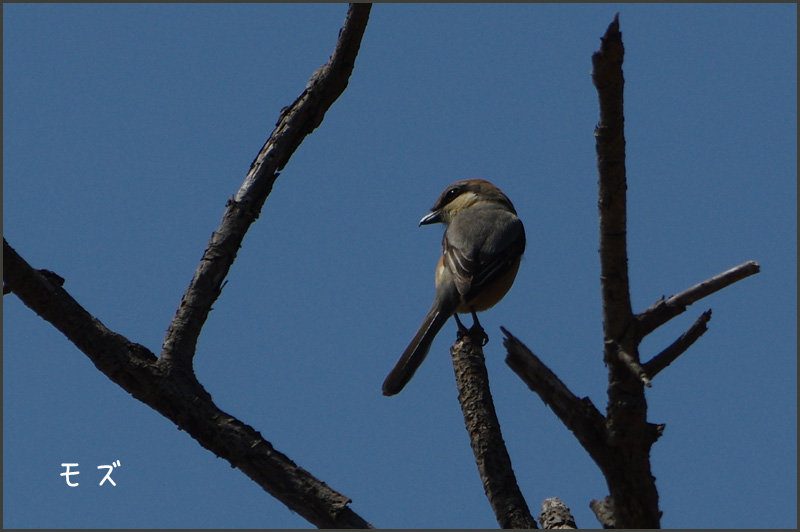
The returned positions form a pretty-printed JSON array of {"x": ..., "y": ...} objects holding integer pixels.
[
  {"x": 612, "y": 203},
  {"x": 620, "y": 442},
  {"x": 579, "y": 415},
  {"x": 631, "y": 363},
  {"x": 491, "y": 455},
  {"x": 125, "y": 362},
  {"x": 180, "y": 398},
  {"x": 604, "y": 511},
  {"x": 168, "y": 385},
  {"x": 53, "y": 277},
  {"x": 629, "y": 435},
  {"x": 295, "y": 123},
  {"x": 664, "y": 310},
  {"x": 556, "y": 515},
  {"x": 678, "y": 347}
]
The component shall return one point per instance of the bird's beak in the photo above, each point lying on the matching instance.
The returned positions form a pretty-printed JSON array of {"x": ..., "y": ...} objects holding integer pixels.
[{"x": 431, "y": 218}]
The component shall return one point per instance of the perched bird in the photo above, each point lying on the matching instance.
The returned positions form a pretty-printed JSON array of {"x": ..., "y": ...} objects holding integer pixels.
[{"x": 481, "y": 251}]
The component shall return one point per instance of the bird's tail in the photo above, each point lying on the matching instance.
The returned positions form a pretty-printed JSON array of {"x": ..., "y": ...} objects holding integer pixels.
[{"x": 416, "y": 351}]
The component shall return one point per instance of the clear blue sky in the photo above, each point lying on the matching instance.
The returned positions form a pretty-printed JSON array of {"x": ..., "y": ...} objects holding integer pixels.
[{"x": 127, "y": 127}]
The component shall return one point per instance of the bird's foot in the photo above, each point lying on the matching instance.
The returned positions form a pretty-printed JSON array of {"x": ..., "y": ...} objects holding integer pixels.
[
  {"x": 475, "y": 332},
  {"x": 462, "y": 330}
]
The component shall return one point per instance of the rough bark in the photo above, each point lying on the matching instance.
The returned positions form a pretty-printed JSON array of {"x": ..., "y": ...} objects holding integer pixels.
[
  {"x": 168, "y": 384},
  {"x": 486, "y": 439}
]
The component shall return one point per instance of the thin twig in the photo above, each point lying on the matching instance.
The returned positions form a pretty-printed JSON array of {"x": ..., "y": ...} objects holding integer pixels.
[
  {"x": 678, "y": 347},
  {"x": 664, "y": 310},
  {"x": 715, "y": 284}
]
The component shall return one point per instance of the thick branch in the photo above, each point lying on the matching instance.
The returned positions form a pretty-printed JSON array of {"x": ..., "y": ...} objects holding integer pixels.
[
  {"x": 180, "y": 398},
  {"x": 678, "y": 347},
  {"x": 629, "y": 436},
  {"x": 664, "y": 310},
  {"x": 129, "y": 364},
  {"x": 295, "y": 123},
  {"x": 491, "y": 455},
  {"x": 610, "y": 147},
  {"x": 169, "y": 385}
]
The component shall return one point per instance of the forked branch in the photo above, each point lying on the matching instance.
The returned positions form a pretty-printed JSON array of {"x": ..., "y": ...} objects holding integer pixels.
[
  {"x": 665, "y": 309},
  {"x": 620, "y": 441},
  {"x": 168, "y": 385}
]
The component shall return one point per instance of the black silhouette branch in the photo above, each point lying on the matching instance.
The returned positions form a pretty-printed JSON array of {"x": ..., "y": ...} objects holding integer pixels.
[
  {"x": 295, "y": 123},
  {"x": 486, "y": 439},
  {"x": 678, "y": 347},
  {"x": 612, "y": 202},
  {"x": 664, "y": 310},
  {"x": 580, "y": 416},
  {"x": 628, "y": 434},
  {"x": 168, "y": 385},
  {"x": 620, "y": 441},
  {"x": 180, "y": 398}
]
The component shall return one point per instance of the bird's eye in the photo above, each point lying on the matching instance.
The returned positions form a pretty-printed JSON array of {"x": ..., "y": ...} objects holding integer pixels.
[{"x": 449, "y": 195}]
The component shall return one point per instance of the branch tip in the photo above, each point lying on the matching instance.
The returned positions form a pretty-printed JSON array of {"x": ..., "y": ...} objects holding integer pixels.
[
  {"x": 664, "y": 310},
  {"x": 679, "y": 346}
]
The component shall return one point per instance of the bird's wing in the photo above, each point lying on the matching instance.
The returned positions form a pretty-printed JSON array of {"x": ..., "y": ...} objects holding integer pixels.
[{"x": 480, "y": 247}]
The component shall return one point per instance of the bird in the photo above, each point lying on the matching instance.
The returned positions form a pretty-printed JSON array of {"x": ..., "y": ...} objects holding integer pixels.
[{"x": 482, "y": 247}]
